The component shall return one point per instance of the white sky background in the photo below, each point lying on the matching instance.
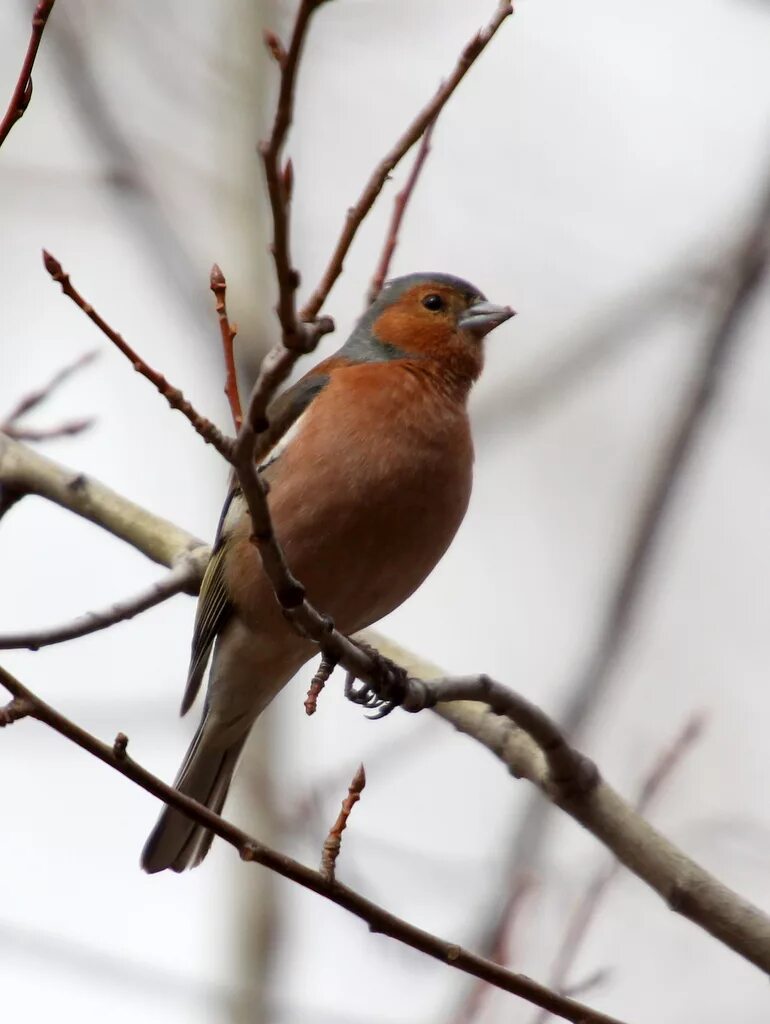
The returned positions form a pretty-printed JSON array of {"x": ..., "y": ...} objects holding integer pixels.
[{"x": 592, "y": 147}]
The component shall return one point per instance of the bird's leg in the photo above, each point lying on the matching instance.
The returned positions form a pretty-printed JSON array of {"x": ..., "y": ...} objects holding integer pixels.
[{"x": 389, "y": 690}]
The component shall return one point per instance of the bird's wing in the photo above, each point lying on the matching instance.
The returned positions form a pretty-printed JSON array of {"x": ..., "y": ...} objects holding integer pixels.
[{"x": 214, "y": 604}]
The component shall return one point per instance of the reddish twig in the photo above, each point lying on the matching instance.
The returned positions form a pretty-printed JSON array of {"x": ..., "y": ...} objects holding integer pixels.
[
  {"x": 296, "y": 335},
  {"x": 587, "y": 907},
  {"x": 228, "y": 330},
  {"x": 250, "y": 849},
  {"x": 22, "y": 93},
  {"x": 319, "y": 680},
  {"x": 333, "y": 842},
  {"x": 211, "y": 434},
  {"x": 379, "y": 176},
  {"x": 400, "y": 204},
  {"x": 182, "y": 578}
]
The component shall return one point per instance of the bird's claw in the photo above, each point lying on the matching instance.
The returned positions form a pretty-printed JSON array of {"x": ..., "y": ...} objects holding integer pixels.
[{"x": 389, "y": 692}]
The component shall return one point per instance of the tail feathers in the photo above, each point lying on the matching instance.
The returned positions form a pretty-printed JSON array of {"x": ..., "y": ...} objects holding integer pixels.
[{"x": 176, "y": 842}]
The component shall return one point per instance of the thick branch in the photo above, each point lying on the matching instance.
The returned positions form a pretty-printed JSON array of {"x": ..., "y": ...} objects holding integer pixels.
[
  {"x": 585, "y": 911},
  {"x": 250, "y": 849},
  {"x": 22, "y": 93},
  {"x": 379, "y": 176},
  {"x": 685, "y": 887},
  {"x": 24, "y": 471}
]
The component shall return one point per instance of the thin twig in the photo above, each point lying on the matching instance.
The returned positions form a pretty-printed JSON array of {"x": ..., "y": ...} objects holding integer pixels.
[
  {"x": 588, "y": 906},
  {"x": 22, "y": 93},
  {"x": 379, "y": 176},
  {"x": 211, "y": 434},
  {"x": 228, "y": 331},
  {"x": 33, "y": 435},
  {"x": 570, "y": 773},
  {"x": 250, "y": 849},
  {"x": 400, "y": 204},
  {"x": 39, "y": 395},
  {"x": 295, "y": 335},
  {"x": 183, "y": 576},
  {"x": 317, "y": 683},
  {"x": 333, "y": 842}
]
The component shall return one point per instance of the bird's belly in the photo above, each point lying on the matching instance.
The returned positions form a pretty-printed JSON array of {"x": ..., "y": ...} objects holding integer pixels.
[{"x": 361, "y": 528}]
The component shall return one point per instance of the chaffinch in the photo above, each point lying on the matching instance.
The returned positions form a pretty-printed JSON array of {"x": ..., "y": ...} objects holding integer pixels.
[{"x": 367, "y": 487}]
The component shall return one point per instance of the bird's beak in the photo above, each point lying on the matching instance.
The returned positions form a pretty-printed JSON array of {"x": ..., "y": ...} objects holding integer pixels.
[{"x": 483, "y": 317}]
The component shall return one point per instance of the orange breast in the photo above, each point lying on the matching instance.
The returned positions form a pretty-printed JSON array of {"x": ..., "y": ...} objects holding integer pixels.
[{"x": 366, "y": 498}]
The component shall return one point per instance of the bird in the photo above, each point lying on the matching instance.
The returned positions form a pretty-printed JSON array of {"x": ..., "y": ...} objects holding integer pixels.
[{"x": 367, "y": 485}]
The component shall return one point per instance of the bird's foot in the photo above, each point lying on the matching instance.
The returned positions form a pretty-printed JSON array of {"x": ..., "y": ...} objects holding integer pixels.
[{"x": 388, "y": 692}]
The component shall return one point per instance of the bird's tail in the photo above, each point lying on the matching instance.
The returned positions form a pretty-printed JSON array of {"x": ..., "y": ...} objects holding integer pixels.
[{"x": 176, "y": 842}]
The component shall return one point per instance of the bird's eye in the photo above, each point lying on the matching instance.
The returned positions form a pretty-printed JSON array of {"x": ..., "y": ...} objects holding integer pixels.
[{"x": 433, "y": 302}]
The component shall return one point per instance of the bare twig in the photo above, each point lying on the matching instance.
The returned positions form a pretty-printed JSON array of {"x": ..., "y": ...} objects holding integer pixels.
[
  {"x": 228, "y": 330},
  {"x": 39, "y": 395},
  {"x": 333, "y": 842},
  {"x": 570, "y": 773},
  {"x": 211, "y": 434},
  {"x": 295, "y": 335},
  {"x": 250, "y": 849},
  {"x": 183, "y": 578},
  {"x": 31, "y": 435},
  {"x": 586, "y": 909},
  {"x": 400, "y": 204},
  {"x": 379, "y": 176},
  {"x": 317, "y": 683},
  {"x": 22, "y": 93}
]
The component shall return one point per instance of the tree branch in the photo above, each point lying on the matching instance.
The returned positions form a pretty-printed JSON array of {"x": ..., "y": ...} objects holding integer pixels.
[
  {"x": 250, "y": 849},
  {"x": 24, "y": 471},
  {"x": 228, "y": 331},
  {"x": 400, "y": 204},
  {"x": 686, "y": 887},
  {"x": 22, "y": 93},
  {"x": 587, "y": 907},
  {"x": 204, "y": 427},
  {"x": 296, "y": 336},
  {"x": 185, "y": 577},
  {"x": 379, "y": 176}
]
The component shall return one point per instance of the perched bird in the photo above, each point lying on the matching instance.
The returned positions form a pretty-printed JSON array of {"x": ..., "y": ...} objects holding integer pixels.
[{"x": 367, "y": 486}]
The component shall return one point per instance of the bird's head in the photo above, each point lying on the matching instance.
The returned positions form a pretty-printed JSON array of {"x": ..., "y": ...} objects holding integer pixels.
[{"x": 430, "y": 316}]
